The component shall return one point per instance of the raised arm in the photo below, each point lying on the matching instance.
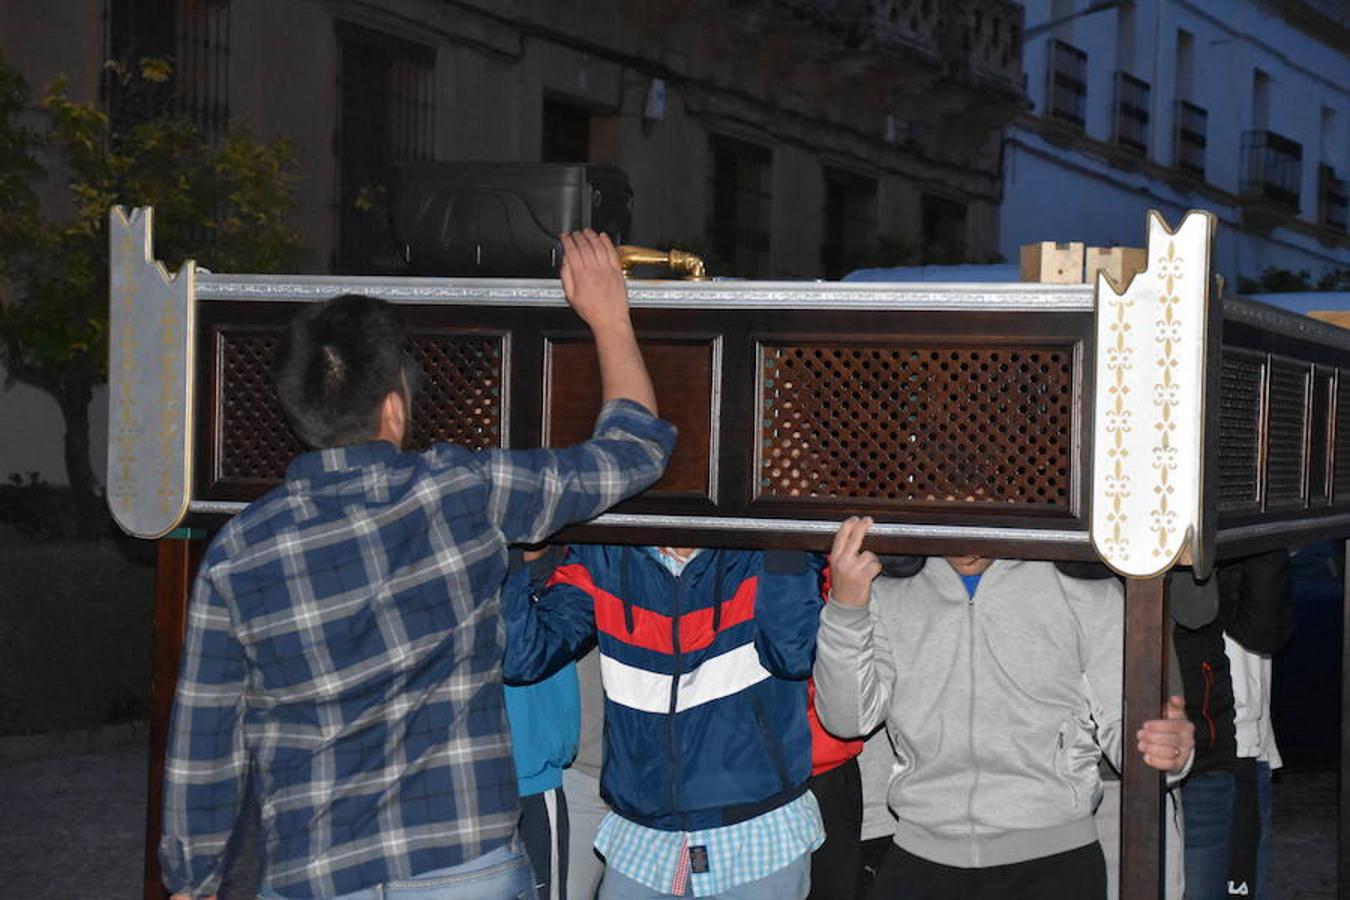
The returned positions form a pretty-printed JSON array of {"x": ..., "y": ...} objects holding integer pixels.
[
  {"x": 550, "y": 621},
  {"x": 854, "y": 673},
  {"x": 594, "y": 285},
  {"x": 787, "y": 612}
]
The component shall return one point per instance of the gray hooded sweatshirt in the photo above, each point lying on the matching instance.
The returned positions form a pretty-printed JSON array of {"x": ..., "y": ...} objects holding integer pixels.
[{"x": 999, "y": 705}]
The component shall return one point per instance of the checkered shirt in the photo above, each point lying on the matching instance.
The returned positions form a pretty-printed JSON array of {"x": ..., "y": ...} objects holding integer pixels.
[
  {"x": 344, "y": 649},
  {"x": 737, "y": 854}
]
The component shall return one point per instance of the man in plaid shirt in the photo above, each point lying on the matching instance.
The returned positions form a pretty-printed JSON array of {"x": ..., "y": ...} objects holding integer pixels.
[{"x": 344, "y": 641}]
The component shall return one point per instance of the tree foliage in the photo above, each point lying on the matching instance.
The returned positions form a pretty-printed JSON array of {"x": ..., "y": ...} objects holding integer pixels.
[{"x": 221, "y": 202}]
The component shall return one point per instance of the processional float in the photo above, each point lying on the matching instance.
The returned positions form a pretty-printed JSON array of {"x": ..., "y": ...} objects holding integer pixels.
[{"x": 1147, "y": 425}]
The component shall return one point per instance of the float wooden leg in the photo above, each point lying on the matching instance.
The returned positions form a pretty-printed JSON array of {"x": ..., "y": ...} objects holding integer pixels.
[
  {"x": 175, "y": 566},
  {"x": 1141, "y": 786}
]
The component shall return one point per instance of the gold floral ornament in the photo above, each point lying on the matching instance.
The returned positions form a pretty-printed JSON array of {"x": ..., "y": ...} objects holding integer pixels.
[{"x": 1147, "y": 445}]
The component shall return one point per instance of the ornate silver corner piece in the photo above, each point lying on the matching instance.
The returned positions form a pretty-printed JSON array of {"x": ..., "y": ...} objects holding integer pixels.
[{"x": 150, "y": 327}]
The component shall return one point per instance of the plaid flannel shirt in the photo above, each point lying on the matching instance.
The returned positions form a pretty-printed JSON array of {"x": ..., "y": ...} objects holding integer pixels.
[
  {"x": 732, "y": 855},
  {"x": 344, "y": 648}
]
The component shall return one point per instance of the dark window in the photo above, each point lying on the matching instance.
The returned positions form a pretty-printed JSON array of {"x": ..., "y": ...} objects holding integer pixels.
[
  {"x": 1066, "y": 94},
  {"x": 1190, "y": 141},
  {"x": 193, "y": 36},
  {"x": 386, "y": 117},
  {"x": 1272, "y": 167},
  {"x": 1331, "y": 198},
  {"x": 944, "y": 230},
  {"x": 739, "y": 228},
  {"x": 850, "y": 222},
  {"x": 566, "y": 133},
  {"x": 1132, "y": 112},
  {"x": 1185, "y": 74}
]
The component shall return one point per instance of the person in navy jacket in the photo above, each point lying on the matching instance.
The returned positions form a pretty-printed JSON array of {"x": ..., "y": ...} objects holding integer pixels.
[{"x": 704, "y": 659}]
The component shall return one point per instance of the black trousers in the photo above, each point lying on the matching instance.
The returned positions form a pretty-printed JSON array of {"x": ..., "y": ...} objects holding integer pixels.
[
  {"x": 543, "y": 828},
  {"x": 1073, "y": 875},
  {"x": 835, "y": 866}
]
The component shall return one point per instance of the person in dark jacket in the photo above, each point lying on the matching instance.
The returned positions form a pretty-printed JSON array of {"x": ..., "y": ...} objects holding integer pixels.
[
  {"x": 1224, "y": 655},
  {"x": 704, "y": 658}
]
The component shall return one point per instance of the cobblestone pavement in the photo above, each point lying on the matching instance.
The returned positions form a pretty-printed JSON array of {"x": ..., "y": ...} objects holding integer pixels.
[{"x": 72, "y": 823}]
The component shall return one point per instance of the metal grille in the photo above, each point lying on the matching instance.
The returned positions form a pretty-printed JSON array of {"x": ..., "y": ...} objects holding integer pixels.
[
  {"x": 203, "y": 70},
  {"x": 193, "y": 36},
  {"x": 1272, "y": 167},
  {"x": 386, "y": 115},
  {"x": 1066, "y": 95},
  {"x": 739, "y": 224},
  {"x": 937, "y": 423},
  {"x": 1132, "y": 112},
  {"x": 1240, "y": 385},
  {"x": 460, "y": 401},
  {"x": 1284, "y": 439}
]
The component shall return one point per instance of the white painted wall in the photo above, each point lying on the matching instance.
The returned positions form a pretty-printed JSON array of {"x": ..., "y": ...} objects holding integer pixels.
[{"x": 1074, "y": 192}]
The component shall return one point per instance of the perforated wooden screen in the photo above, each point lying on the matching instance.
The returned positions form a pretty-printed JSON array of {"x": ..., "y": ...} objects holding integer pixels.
[
  {"x": 984, "y": 425},
  {"x": 460, "y": 400}
]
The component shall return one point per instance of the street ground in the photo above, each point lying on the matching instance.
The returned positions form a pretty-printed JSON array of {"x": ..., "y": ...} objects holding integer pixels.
[{"x": 72, "y": 819}]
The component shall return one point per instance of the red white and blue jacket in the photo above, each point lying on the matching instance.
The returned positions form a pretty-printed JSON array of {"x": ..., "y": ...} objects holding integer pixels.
[{"x": 704, "y": 674}]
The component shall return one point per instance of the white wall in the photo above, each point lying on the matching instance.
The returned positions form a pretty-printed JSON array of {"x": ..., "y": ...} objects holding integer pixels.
[{"x": 1083, "y": 191}]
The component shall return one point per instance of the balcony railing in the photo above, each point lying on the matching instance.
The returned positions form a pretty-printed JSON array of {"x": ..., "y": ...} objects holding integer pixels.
[
  {"x": 910, "y": 20},
  {"x": 1132, "y": 112},
  {"x": 995, "y": 41},
  {"x": 1272, "y": 167},
  {"x": 1189, "y": 141},
  {"x": 1331, "y": 198},
  {"x": 1066, "y": 92}
]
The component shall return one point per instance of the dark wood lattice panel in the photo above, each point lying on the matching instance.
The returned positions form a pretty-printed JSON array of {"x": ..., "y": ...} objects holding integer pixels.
[
  {"x": 1320, "y": 430},
  {"x": 917, "y": 424},
  {"x": 254, "y": 443},
  {"x": 1341, "y": 439},
  {"x": 460, "y": 400},
  {"x": 1241, "y": 383},
  {"x": 1288, "y": 417}
]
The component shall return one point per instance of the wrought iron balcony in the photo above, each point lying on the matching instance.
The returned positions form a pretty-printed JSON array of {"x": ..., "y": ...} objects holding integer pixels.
[
  {"x": 994, "y": 40},
  {"x": 1132, "y": 112},
  {"x": 1272, "y": 168},
  {"x": 1189, "y": 141},
  {"x": 980, "y": 38}
]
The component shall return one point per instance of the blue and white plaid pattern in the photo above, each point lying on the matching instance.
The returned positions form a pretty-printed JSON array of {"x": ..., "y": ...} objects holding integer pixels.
[
  {"x": 344, "y": 641},
  {"x": 737, "y": 854}
]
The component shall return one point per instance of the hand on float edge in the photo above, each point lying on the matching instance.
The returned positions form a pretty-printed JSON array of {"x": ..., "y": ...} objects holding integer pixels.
[
  {"x": 1167, "y": 743},
  {"x": 593, "y": 280},
  {"x": 852, "y": 569}
]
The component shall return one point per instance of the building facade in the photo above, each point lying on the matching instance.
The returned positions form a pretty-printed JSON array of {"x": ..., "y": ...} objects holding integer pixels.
[
  {"x": 780, "y": 138},
  {"x": 1241, "y": 107}
]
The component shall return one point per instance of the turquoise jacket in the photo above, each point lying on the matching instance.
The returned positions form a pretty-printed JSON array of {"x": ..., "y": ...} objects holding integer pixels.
[{"x": 545, "y": 719}]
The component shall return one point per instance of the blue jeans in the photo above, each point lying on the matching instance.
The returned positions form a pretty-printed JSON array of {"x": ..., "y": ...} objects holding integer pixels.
[
  {"x": 1267, "y": 835},
  {"x": 792, "y": 882},
  {"x": 501, "y": 874},
  {"x": 1220, "y": 844}
]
